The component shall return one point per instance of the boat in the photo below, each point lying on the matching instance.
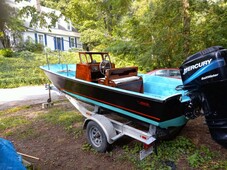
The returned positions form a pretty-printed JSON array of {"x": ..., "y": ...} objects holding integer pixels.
[
  {"x": 150, "y": 99},
  {"x": 163, "y": 104}
]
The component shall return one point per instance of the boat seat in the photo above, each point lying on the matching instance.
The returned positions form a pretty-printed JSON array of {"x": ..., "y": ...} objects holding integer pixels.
[{"x": 124, "y": 78}]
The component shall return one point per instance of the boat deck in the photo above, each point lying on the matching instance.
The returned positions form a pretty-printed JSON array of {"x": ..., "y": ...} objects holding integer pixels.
[{"x": 157, "y": 87}]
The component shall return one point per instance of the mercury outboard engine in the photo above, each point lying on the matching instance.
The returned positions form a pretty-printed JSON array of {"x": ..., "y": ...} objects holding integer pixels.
[{"x": 204, "y": 76}]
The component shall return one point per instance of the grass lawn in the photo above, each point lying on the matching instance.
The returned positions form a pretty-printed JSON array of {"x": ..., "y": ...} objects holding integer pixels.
[
  {"x": 19, "y": 123},
  {"x": 23, "y": 68},
  {"x": 26, "y": 125}
]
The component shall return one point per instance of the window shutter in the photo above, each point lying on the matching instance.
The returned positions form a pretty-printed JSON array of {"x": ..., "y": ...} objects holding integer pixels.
[
  {"x": 36, "y": 38},
  {"x": 62, "y": 42},
  {"x": 45, "y": 37},
  {"x": 75, "y": 42},
  {"x": 55, "y": 43},
  {"x": 69, "y": 43}
]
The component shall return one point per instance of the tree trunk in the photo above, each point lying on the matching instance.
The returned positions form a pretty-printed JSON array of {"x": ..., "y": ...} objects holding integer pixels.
[
  {"x": 5, "y": 40},
  {"x": 186, "y": 28}
]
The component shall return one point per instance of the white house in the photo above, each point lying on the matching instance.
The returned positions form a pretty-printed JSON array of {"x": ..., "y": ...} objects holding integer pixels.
[{"x": 61, "y": 37}]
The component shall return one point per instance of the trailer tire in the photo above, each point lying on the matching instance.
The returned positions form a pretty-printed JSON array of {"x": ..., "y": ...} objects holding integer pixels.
[{"x": 96, "y": 137}]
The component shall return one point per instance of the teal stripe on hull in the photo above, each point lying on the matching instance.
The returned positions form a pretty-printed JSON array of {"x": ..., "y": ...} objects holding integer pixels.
[{"x": 179, "y": 121}]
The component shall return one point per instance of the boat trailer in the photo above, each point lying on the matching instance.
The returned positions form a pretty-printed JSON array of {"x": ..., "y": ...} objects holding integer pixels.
[
  {"x": 103, "y": 130},
  {"x": 204, "y": 78}
]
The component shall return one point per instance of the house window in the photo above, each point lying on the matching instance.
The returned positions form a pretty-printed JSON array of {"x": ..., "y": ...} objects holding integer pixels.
[
  {"x": 69, "y": 26},
  {"x": 72, "y": 42},
  {"x": 79, "y": 44},
  {"x": 29, "y": 39},
  {"x": 41, "y": 39}
]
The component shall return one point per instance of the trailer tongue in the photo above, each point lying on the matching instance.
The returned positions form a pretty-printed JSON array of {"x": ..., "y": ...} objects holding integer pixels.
[{"x": 204, "y": 75}]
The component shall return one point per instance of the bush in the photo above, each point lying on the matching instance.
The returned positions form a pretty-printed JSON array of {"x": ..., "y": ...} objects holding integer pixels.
[
  {"x": 39, "y": 47},
  {"x": 30, "y": 46},
  {"x": 74, "y": 50},
  {"x": 6, "y": 52},
  {"x": 24, "y": 54}
]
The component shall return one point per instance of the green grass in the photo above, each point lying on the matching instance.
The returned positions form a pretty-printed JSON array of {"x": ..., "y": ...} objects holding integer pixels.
[
  {"x": 62, "y": 117},
  {"x": 70, "y": 120},
  {"x": 12, "y": 122},
  {"x": 23, "y": 68},
  {"x": 13, "y": 110},
  {"x": 28, "y": 133},
  {"x": 170, "y": 152}
]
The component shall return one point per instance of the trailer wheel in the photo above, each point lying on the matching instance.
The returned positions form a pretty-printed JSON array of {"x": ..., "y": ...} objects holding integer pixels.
[{"x": 96, "y": 137}]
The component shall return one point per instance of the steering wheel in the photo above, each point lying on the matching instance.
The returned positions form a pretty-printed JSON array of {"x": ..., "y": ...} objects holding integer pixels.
[{"x": 104, "y": 65}]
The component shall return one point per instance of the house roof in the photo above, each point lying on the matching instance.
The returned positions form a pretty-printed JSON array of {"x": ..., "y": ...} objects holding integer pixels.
[
  {"x": 62, "y": 23},
  {"x": 56, "y": 32}
]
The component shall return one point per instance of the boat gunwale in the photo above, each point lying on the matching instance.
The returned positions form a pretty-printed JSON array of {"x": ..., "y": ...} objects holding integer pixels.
[{"x": 151, "y": 97}]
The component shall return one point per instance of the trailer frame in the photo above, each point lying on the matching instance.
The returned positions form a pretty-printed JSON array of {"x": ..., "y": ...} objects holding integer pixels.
[{"x": 106, "y": 130}]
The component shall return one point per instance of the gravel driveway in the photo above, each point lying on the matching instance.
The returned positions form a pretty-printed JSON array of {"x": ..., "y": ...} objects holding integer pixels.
[{"x": 25, "y": 96}]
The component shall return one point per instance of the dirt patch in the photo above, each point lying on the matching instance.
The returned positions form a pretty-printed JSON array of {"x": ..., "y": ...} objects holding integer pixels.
[
  {"x": 59, "y": 149},
  {"x": 198, "y": 132}
]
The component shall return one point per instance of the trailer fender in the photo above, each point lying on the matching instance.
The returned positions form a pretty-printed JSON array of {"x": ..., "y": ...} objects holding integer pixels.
[{"x": 105, "y": 124}]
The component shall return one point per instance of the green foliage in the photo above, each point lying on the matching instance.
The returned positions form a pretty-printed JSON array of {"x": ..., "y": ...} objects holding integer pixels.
[
  {"x": 30, "y": 46},
  {"x": 63, "y": 117},
  {"x": 12, "y": 122},
  {"x": 150, "y": 33},
  {"x": 87, "y": 147},
  {"x": 74, "y": 50},
  {"x": 29, "y": 133},
  {"x": 208, "y": 25},
  {"x": 37, "y": 18},
  {"x": 6, "y": 52},
  {"x": 23, "y": 69},
  {"x": 200, "y": 157},
  {"x": 12, "y": 110},
  {"x": 9, "y": 22},
  {"x": 170, "y": 152},
  {"x": 25, "y": 54},
  {"x": 95, "y": 20},
  {"x": 67, "y": 119}
]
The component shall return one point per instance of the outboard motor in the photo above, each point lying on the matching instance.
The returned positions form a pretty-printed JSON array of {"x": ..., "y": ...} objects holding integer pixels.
[{"x": 204, "y": 76}]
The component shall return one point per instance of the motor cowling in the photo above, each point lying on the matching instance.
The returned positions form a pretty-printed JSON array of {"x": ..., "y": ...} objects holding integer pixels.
[{"x": 204, "y": 76}]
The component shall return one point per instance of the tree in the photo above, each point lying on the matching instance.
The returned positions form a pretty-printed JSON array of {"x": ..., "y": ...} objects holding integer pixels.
[
  {"x": 95, "y": 20},
  {"x": 37, "y": 17},
  {"x": 155, "y": 33},
  {"x": 9, "y": 24},
  {"x": 152, "y": 33},
  {"x": 186, "y": 28},
  {"x": 208, "y": 26}
]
